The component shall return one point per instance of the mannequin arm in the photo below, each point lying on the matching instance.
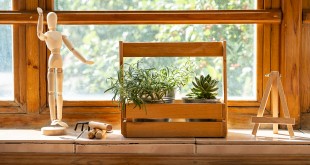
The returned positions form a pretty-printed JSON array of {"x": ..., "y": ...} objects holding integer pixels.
[
  {"x": 40, "y": 34},
  {"x": 75, "y": 53}
]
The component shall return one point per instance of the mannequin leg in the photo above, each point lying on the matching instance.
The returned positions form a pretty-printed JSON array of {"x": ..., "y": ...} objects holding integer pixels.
[
  {"x": 51, "y": 92},
  {"x": 59, "y": 99}
]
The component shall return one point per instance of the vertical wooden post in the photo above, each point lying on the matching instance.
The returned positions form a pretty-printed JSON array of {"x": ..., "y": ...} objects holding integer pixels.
[
  {"x": 267, "y": 51},
  {"x": 290, "y": 53},
  {"x": 304, "y": 72},
  {"x": 275, "y": 59},
  {"x": 32, "y": 56}
]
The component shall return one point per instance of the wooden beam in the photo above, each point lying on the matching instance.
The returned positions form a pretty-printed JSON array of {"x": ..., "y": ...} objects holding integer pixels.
[
  {"x": 272, "y": 120},
  {"x": 290, "y": 54},
  {"x": 32, "y": 59},
  {"x": 304, "y": 70},
  {"x": 150, "y": 17},
  {"x": 35, "y": 121}
]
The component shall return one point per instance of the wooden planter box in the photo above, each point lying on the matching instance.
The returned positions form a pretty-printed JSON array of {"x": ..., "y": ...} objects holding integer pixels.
[
  {"x": 216, "y": 128},
  {"x": 215, "y": 111}
]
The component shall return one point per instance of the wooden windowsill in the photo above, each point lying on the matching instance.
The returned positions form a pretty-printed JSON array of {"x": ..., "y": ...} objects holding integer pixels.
[{"x": 237, "y": 141}]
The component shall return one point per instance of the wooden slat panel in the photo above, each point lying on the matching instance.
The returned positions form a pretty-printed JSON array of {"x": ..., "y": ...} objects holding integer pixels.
[
  {"x": 210, "y": 111},
  {"x": 290, "y": 55},
  {"x": 272, "y": 120},
  {"x": 304, "y": 70},
  {"x": 172, "y": 49},
  {"x": 150, "y": 17},
  {"x": 166, "y": 129}
]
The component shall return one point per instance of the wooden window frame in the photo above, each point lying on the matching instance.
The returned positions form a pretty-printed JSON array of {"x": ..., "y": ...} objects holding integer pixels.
[
  {"x": 30, "y": 55},
  {"x": 18, "y": 105}
]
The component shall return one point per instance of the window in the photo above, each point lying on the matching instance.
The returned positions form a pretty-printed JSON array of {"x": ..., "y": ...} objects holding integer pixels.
[
  {"x": 95, "y": 27},
  {"x": 100, "y": 43},
  {"x": 125, "y": 5},
  {"x": 6, "y": 67},
  {"x": 5, "y": 5},
  {"x": 6, "y": 61}
]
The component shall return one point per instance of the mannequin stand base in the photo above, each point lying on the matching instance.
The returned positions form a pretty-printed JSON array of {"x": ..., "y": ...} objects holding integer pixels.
[{"x": 53, "y": 131}]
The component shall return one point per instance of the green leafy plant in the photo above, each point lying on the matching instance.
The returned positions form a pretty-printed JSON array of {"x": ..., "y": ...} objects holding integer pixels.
[
  {"x": 138, "y": 85},
  {"x": 204, "y": 88}
]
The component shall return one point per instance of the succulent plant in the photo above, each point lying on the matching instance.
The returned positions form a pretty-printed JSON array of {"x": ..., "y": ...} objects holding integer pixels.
[{"x": 204, "y": 88}]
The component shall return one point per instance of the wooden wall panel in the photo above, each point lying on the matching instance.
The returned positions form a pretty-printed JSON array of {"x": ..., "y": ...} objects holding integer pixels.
[
  {"x": 304, "y": 72},
  {"x": 290, "y": 53}
]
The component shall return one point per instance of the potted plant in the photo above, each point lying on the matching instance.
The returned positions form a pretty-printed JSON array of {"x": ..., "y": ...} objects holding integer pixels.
[
  {"x": 138, "y": 85},
  {"x": 204, "y": 91}
]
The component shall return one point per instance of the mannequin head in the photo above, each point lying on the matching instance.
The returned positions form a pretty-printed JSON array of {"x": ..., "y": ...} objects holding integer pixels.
[{"x": 51, "y": 20}]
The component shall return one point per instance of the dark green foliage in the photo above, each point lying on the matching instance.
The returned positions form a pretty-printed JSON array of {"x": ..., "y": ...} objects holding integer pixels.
[
  {"x": 138, "y": 85},
  {"x": 204, "y": 88}
]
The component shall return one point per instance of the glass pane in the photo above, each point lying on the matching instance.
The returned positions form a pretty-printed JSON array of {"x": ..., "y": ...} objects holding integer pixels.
[
  {"x": 125, "y": 5},
  {"x": 101, "y": 44},
  {"x": 6, "y": 67},
  {"x": 5, "y": 4}
]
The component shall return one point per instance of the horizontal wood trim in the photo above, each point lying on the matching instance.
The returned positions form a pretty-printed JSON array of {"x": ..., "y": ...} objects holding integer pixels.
[
  {"x": 86, "y": 110},
  {"x": 36, "y": 121},
  {"x": 106, "y": 103},
  {"x": 8, "y": 103},
  {"x": 90, "y": 103},
  {"x": 163, "y": 49},
  {"x": 272, "y": 120},
  {"x": 178, "y": 129},
  {"x": 243, "y": 103},
  {"x": 188, "y": 159},
  {"x": 273, "y": 16},
  {"x": 11, "y": 110},
  {"x": 209, "y": 111}
]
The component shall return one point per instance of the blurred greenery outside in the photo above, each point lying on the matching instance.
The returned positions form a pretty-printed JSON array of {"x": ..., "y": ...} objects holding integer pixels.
[
  {"x": 5, "y": 4},
  {"x": 101, "y": 44},
  {"x": 6, "y": 63}
]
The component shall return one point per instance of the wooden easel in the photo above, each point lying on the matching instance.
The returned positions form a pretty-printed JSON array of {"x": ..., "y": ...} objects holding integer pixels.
[{"x": 275, "y": 84}]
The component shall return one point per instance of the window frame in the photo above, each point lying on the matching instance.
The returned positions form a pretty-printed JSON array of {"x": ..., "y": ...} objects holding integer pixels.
[
  {"x": 18, "y": 105},
  {"x": 30, "y": 55},
  {"x": 257, "y": 16}
]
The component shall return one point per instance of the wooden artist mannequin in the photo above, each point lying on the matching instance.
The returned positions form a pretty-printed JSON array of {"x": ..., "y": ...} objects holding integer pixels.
[{"x": 53, "y": 40}]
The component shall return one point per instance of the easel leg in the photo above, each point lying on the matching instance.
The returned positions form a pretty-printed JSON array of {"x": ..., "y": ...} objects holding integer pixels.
[
  {"x": 275, "y": 102},
  {"x": 263, "y": 103},
  {"x": 256, "y": 126},
  {"x": 290, "y": 130},
  {"x": 284, "y": 105}
]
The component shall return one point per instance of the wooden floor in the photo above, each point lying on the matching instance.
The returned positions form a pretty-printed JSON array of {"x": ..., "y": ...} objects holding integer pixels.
[
  {"x": 239, "y": 147},
  {"x": 112, "y": 159}
]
